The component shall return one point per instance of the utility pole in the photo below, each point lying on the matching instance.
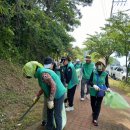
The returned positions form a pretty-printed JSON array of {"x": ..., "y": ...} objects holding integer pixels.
[
  {"x": 117, "y": 2},
  {"x": 112, "y": 8}
]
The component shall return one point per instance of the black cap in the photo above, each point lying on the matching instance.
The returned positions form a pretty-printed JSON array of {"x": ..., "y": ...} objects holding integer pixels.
[
  {"x": 48, "y": 60},
  {"x": 63, "y": 59}
]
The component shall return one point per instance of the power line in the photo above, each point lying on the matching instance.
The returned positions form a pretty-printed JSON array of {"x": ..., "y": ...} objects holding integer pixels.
[
  {"x": 118, "y": 2},
  {"x": 122, "y": 11}
]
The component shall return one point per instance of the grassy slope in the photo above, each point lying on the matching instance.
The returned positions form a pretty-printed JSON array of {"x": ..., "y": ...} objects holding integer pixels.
[{"x": 16, "y": 95}]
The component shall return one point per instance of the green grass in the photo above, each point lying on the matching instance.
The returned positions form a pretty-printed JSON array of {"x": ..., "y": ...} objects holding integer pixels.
[
  {"x": 123, "y": 86},
  {"x": 16, "y": 94}
]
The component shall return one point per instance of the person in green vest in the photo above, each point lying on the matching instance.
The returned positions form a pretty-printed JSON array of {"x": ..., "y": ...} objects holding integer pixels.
[
  {"x": 52, "y": 87},
  {"x": 87, "y": 70},
  {"x": 59, "y": 70},
  {"x": 99, "y": 83},
  {"x": 50, "y": 64},
  {"x": 78, "y": 64},
  {"x": 71, "y": 81}
]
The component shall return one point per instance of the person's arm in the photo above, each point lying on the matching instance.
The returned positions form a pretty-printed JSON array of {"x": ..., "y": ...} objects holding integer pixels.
[
  {"x": 69, "y": 75},
  {"x": 91, "y": 80},
  {"x": 106, "y": 82},
  {"x": 62, "y": 76},
  {"x": 36, "y": 98},
  {"x": 50, "y": 82},
  {"x": 40, "y": 92}
]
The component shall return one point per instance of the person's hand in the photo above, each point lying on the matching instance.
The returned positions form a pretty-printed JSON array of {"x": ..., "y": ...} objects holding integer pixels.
[
  {"x": 50, "y": 104},
  {"x": 65, "y": 97},
  {"x": 96, "y": 87},
  {"x": 66, "y": 85},
  {"x": 109, "y": 90},
  {"x": 35, "y": 99}
]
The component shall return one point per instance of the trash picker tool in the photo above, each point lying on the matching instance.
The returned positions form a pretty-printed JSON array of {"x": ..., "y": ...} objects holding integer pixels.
[{"x": 27, "y": 111}]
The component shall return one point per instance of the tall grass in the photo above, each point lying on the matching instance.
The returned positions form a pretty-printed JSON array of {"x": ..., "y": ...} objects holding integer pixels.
[{"x": 121, "y": 85}]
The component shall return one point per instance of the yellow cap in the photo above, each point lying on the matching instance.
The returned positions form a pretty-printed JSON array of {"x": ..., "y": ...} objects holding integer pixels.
[{"x": 30, "y": 68}]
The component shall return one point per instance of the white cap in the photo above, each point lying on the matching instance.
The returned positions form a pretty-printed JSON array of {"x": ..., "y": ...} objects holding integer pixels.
[
  {"x": 47, "y": 66},
  {"x": 77, "y": 60}
]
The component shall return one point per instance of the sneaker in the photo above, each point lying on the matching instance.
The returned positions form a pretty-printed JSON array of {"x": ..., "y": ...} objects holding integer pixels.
[
  {"x": 82, "y": 99},
  {"x": 87, "y": 96},
  {"x": 66, "y": 105},
  {"x": 95, "y": 123},
  {"x": 69, "y": 109},
  {"x": 43, "y": 123}
]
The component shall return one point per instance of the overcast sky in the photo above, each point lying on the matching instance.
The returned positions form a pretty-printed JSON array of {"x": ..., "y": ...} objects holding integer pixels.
[{"x": 95, "y": 17}]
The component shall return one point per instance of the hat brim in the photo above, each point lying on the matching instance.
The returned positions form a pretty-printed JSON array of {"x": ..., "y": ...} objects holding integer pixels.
[
  {"x": 88, "y": 59},
  {"x": 101, "y": 63},
  {"x": 47, "y": 66},
  {"x": 62, "y": 60}
]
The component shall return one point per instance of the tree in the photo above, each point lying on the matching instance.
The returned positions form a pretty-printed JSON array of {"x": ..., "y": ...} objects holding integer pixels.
[
  {"x": 64, "y": 11},
  {"x": 120, "y": 24},
  {"x": 114, "y": 38},
  {"x": 33, "y": 29},
  {"x": 101, "y": 44}
]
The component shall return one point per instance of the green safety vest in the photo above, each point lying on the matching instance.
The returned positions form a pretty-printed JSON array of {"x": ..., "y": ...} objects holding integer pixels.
[
  {"x": 101, "y": 78},
  {"x": 74, "y": 80},
  {"x": 60, "y": 89},
  {"x": 78, "y": 66},
  {"x": 58, "y": 73},
  {"x": 87, "y": 70}
]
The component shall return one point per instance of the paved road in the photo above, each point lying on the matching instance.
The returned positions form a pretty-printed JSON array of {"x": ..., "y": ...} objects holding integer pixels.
[{"x": 81, "y": 119}]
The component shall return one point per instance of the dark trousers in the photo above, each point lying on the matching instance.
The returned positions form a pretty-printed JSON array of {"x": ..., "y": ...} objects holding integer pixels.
[
  {"x": 70, "y": 96},
  {"x": 96, "y": 106},
  {"x": 56, "y": 113}
]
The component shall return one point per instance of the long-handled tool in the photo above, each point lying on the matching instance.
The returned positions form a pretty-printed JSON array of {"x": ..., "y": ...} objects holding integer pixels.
[{"x": 22, "y": 117}]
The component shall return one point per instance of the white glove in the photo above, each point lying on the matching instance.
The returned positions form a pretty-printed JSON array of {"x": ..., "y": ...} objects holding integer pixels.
[
  {"x": 109, "y": 90},
  {"x": 50, "y": 104},
  {"x": 65, "y": 97},
  {"x": 96, "y": 87}
]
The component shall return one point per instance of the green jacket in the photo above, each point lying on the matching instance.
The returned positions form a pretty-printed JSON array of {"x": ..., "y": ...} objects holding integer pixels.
[
  {"x": 60, "y": 89},
  {"x": 87, "y": 70}
]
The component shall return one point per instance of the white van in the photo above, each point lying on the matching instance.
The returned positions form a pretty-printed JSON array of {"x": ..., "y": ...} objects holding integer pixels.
[
  {"x": 113, "y": 70},
  {"x": 120, "y": 73}
]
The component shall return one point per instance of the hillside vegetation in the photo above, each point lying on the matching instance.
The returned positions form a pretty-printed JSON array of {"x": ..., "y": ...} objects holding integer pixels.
[{"x": 16, "y": 94}]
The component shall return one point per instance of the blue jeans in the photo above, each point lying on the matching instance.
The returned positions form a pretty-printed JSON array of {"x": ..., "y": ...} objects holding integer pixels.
[
  {"x": 83, "y": 83},
  {"x": 55, "y": 113}
]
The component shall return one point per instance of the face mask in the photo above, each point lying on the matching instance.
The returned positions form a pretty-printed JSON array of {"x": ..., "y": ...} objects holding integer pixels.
[
  {"x": 88, "y": 61},
  {"x": 99, "y": 67}
]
